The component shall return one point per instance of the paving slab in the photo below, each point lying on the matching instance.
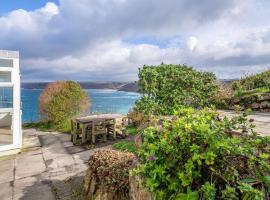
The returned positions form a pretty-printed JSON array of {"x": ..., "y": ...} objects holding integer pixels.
[
  {"x": 5, "y": 191},
  {"x": 63, "y": 173},
  {"x": 64, "y": 137},
  {"x": 83, "y": 157},
  {"x": 6, "y": 170},
  {"x": 31, "y": 152},
  {"x": 68, "y": 144},
  {"x": 75, "y": 149},
  {"x": 29, "y": 165},
  {"x": 30, "y": 175},
  {"x": 31, "y": 188},
  {"x": 47, "y": 140},
  {"x": 61, "y": 161}
]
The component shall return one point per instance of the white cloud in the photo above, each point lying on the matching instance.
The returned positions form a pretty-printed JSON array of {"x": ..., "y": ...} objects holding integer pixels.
[
  {"x": 192, "y": 43},
  {"x": 91, "y": 40}
]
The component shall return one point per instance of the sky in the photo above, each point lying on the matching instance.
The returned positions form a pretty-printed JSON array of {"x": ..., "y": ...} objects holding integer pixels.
[{"x": 108, "y": 40}]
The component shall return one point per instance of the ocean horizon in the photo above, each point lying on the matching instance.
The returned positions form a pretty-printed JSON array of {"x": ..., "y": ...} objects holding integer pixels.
[{"x": 102, "y": 101}]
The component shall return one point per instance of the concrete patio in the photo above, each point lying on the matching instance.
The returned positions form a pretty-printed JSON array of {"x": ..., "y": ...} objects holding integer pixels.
[{"x": 40, "y": 172}]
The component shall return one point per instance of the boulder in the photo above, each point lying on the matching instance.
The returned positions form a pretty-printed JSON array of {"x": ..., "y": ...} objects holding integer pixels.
[
  {"x": 255, "y": 105},
  {"x": 265, "y": 96},
  {"x": 265, "y": 104}
]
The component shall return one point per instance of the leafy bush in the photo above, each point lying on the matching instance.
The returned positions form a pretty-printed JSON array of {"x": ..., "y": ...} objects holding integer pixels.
[
  {"x": 136, "y": 117},
  {"x": 198, "y": 155},
  {"x": 261, "y": 80},
  {"x": 131, "y": 129},
  {"x": 125, "y": 146},
  {"x": 111, "y": 169},
  {"x": 256, "y": 91},
  {"x": 60, "y": 101},
  {"x": 166, "y": 87}
]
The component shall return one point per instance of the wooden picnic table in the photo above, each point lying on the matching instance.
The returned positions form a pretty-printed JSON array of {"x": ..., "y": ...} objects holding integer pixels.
[{"x": 93, "y": 120}]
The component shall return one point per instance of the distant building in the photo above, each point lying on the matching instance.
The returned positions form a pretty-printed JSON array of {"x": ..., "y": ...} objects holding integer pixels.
[{"x": 10, "y": 102}]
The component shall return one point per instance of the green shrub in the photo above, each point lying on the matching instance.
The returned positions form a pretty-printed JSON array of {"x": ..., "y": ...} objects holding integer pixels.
[
  {"x": 62, "y": 100},
  {"x": 136, "y": 117},
  {"x": 165, "y": 88},
  {"x": 125, "y": 146},
  {"x": 198, "y": 155},
  {"x": 261, "y": 80},
  {"x": 131, "y": 130},
  {"x": 241, "y": 93}
]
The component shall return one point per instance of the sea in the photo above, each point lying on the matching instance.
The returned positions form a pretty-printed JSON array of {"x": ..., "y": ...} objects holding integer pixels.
[{"x": 102, "y": 101}]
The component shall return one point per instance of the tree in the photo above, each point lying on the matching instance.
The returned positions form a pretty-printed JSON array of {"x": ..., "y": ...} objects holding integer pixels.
[
  {"x": 165, "y": 88},
  {"x": 61, "y": 101}
]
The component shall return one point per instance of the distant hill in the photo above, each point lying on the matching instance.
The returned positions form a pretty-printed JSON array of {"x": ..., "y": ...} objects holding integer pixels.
[
  {"x": 130, "y": 87},
  {"x": 227, "y": 81},
  {"x": 121, "y": 86}
]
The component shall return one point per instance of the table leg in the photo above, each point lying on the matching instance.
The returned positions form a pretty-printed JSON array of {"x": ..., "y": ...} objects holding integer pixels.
[
  {"x": 114, "y": 127},
  {"x": 105, "y": 136},
  {"x": 93, "y": 134},
  {"x": 74, "y": 133},
  {"x": 83, "y": 133},
  {"x": 71, "y": 130}
]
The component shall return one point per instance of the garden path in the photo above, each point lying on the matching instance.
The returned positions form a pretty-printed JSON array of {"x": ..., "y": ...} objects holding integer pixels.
[
  {"x": 261, "y": 120},
  {"x": 41, "y": 171}
]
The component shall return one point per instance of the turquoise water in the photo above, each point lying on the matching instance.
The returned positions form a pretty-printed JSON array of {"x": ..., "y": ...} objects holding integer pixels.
[{"x": 102, "y": 101}]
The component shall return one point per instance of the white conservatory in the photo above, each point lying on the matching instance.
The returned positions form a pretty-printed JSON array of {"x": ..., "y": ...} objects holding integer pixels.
[{"x": 10, "y": 102}]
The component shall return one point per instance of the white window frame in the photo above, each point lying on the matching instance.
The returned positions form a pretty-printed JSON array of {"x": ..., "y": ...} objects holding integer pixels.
[{"x": 15, "y": 111}]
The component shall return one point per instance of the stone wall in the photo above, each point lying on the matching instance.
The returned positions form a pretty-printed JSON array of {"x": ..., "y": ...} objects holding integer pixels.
[{"x": 256, "y": 102}]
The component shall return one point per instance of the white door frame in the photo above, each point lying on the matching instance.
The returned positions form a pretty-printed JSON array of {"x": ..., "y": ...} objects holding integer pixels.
[{"x": 16, "y": 110}]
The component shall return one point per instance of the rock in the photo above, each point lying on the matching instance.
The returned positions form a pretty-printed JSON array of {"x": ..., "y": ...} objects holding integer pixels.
[
  {"x": 265, "y": 96},
  {"x": 255, "y": 105},
  {"x": 138, "y": 140},
  {"x": 265, "y": 104},
  {"x": 235, "y": 101},
  {"x": 137, "y": 191}
]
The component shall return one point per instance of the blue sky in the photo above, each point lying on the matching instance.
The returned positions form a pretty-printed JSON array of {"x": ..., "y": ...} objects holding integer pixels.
[
  {"x": 108, "y": 40},
  {"x": 9, "y": 5}
]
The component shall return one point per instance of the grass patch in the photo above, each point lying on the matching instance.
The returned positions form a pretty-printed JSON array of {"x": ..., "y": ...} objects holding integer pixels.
[
  {"x": 125, "y": 146},
  {"x": 241, "y": 93},
  {"x": 131, "y": 130},
  {"x": 41, "y": 125}
]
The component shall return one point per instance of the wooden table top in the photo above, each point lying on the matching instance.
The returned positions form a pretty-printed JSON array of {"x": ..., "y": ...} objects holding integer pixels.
[{"x": 99, "y": 117}]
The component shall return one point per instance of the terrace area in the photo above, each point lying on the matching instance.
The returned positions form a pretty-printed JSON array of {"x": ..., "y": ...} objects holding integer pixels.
[{"x": 51, "y": 164}]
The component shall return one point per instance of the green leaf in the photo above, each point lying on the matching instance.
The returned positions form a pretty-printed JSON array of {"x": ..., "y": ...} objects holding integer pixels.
[
  {"x": 190, "y": 195},
  {"x": 248, "y": 180}
]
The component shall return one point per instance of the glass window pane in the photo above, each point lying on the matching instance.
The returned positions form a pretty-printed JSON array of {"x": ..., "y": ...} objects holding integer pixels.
[
  {"x": 6, "y": 63},
  {"x": 6, "y": 136},
  {"x": 6, "y": 97},
  {"x": 5, "y": 76}
]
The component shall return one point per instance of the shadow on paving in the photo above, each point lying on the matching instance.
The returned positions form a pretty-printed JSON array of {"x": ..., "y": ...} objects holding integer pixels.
[{"x": 53, "y": 190}]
